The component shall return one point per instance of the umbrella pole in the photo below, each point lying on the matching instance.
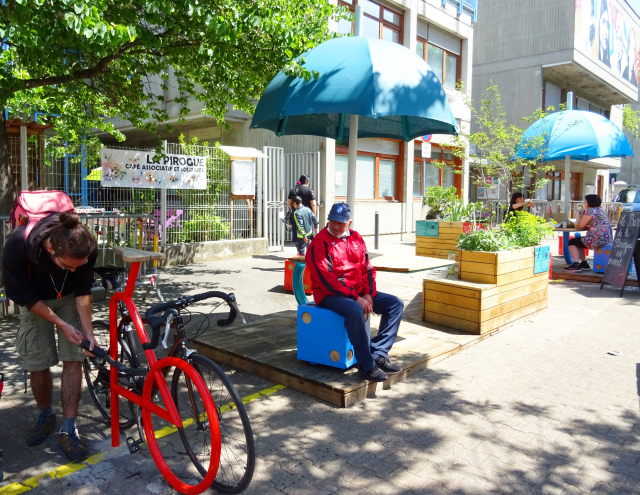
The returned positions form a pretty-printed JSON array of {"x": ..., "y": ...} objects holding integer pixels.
[
  {"x": 567, "y": 185},
  {"x": 353, "y": 160}
]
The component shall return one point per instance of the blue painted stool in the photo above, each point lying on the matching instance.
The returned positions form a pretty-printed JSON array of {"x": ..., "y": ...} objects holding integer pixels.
[
  {"x": 601, "y": 258},
  {"x": 322, "y": 337}
]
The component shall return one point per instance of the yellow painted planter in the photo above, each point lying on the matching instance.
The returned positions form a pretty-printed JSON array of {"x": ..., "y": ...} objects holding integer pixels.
[
  {"x": 499, "y": 267},
  {"x": 495, "y": 289},
  {"x": 437, "y": 239}
]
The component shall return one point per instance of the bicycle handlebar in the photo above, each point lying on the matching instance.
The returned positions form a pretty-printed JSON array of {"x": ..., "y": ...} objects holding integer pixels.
[
  {"x": 103, "y": 354},
  {"x": 174, "y": 307}
]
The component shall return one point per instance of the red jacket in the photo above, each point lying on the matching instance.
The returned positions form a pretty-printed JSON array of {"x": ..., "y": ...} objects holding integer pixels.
[{"x": 340, "y": 267}]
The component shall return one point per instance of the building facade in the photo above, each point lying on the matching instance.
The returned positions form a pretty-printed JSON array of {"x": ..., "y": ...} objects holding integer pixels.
[
  {"x": 539, "y": 53},
  {"x": 391, "y": 175}
]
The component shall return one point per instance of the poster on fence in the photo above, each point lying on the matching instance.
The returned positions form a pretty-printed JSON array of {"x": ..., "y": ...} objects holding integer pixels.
[{"x": 133, "y": 168}]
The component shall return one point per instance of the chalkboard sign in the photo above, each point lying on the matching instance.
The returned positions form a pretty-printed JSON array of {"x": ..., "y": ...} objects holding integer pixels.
[{"x": 625, "y": 244}]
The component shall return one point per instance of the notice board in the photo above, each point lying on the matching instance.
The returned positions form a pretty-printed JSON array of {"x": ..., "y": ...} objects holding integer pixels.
[
  {"x": 243, "y": 178},
  {"x": 625, "y": 244}
]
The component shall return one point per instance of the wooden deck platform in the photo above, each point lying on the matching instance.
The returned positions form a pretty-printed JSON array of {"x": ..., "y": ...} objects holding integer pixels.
[{"x": 266, "y": 347}]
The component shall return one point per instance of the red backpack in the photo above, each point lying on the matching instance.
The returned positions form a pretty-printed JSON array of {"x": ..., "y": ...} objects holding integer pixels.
[{"x": 33, "y": 206}]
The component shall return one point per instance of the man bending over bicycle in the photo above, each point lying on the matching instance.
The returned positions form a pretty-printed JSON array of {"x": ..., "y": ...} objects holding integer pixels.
[{"x": 49, "y": 274}]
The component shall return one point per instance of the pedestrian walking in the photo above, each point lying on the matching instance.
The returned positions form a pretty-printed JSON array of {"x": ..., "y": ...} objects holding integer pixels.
[{"x": 302, "y": 189}]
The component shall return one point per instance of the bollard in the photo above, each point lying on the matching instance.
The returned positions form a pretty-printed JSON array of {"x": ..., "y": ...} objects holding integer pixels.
[{"x": 376, "y": 230}]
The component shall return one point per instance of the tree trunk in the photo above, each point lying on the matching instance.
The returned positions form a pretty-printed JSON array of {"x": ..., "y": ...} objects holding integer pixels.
[{"x": 7, "y": 181}]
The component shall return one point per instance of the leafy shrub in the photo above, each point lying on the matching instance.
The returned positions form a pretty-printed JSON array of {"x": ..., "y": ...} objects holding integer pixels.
[
  {"x": 527, "y": 229},
  {"x": 201, "y": 227},
  {"x": 444, "y": 204},
  {"x": 438, "y": 199},
  {"x": 522, "y": 230}
]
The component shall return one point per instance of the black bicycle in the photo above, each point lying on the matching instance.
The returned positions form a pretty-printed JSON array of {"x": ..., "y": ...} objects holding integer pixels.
[{"x": 237, "y": 456}]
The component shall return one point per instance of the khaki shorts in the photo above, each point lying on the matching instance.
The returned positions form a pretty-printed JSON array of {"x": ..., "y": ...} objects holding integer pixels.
[{"x": 36, "y": 338}]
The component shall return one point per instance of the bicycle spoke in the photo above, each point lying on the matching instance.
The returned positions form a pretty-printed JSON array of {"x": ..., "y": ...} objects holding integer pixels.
[
  {"x": 175, "y": 448},
  {"x": 96, "y": 372},
  {"x": 237, "y": 451}
]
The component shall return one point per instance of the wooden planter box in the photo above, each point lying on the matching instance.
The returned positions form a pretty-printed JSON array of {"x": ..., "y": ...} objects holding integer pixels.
[
  {"x": 500, "y": 267},
  {"x": 496, "y": 288},
  {"x": 436, "y": 239},
  {"x": 482, "y": 308}
]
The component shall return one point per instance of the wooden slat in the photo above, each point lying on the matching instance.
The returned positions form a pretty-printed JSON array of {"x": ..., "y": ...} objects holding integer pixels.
[
  {"x": 452, "y": 299},
  {"x": 449, "y": 291},
  {"x": 513, "y": 305},
  {"x": 508, "y": 318},
  {"x": 514, "y": 293},
  {"x": 131, "y": 255},
  {"x": 486, "y": 326},
  {"x": 408, "y": 263},
  {"x": 495, "y": 268},
  {"x": 497, "y": 279},
  {"x": 448, "y": 320},
  {"x": 497, "y": 257}
]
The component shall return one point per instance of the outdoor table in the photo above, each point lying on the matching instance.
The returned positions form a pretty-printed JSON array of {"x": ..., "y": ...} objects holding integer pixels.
[
  {"x": 566, "y": 234},
  {"x": 405, "y": 264}
]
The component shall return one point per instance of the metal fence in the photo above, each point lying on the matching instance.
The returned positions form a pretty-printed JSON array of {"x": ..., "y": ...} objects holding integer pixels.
[
  {"x": 191, "y": 215},
  {"x": 552, "y": 210}
]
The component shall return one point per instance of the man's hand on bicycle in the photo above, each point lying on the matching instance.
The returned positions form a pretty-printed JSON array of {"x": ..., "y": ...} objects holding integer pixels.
[
  {"x": 76, "y": 336},
  {"x": 93, "y": 342}
]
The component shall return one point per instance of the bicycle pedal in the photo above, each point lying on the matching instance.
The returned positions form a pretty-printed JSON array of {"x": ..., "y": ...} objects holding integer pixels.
[{"x": 134, "y": 445}]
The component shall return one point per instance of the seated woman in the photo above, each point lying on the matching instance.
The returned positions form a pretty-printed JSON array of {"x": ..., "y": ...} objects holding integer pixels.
[
  {"x": 517, "y": 203},
  {"x": 599, "y": 234}
]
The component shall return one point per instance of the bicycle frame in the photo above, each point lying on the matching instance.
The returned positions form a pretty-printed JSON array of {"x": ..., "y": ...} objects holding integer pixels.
[
  {"x": 126, "y": 298},
  {"x": 155, "y": 377}
]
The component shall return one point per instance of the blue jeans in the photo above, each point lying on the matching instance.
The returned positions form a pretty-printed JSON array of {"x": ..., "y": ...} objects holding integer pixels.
[{"x": 388, "y": 306}]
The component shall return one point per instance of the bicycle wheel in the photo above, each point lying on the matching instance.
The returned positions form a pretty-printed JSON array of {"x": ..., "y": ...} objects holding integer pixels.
[
  {"x": 96, "y": 374},
  {"x": 198, "y": 423},
  {"x": 237, "y": 450}
]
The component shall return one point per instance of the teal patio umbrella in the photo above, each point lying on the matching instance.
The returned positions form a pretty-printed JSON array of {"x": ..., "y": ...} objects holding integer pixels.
[
  {"x": 365, "y": 88},
  {"x": 573, "y": 134}
]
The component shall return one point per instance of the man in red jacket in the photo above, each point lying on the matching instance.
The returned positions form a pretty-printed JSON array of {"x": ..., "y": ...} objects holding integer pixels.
[{"x": 344, "y": 281}]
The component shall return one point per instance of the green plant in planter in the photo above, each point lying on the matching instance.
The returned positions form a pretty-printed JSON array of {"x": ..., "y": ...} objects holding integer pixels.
[
  {"x": 522, "y": 230},
  {"x": 527, "y": 229},
  {"x": 438, "y": 199},
  {"x": 459, "y": 212}
]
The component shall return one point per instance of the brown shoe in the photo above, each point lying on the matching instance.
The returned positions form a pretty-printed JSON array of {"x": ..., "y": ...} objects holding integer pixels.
[
  {"x": 74, "y": 448},
  {"x": 44, "y": 427}
]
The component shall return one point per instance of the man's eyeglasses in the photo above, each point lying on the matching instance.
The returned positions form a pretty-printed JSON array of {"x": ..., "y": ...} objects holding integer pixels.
[{"x": 77, "y": 263}]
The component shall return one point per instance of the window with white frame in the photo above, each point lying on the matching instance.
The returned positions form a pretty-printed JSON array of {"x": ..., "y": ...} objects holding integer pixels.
[
  {"x": 427, "y": 174},
  {"x": 376, "y": 176},
  {"x": 442, "y": 51}
]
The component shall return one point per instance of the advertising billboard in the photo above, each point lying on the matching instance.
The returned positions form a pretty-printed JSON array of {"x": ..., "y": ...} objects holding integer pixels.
[{"x": 608, "y": 33}]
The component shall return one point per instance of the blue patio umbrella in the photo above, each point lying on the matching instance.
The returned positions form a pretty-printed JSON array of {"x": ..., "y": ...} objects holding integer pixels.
[
  {"x": 572, "y": 134},
  {"x": 576, "y": 134},
  {"x": 393, "y": 92}
]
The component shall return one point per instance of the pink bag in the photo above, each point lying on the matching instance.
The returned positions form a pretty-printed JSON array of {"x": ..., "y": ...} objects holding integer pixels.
[{"x": 33, "y": 206}]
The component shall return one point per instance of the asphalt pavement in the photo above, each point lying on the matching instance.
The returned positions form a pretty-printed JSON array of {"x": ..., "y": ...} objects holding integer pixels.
[{"x": 548, "y": 405}]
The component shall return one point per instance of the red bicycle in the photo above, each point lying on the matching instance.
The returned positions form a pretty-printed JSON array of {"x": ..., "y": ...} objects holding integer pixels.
[{"x": 179, "y": 419}]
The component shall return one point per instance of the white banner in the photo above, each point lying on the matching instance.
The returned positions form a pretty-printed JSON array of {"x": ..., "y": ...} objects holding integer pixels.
[{"x": 131, "y": 168}]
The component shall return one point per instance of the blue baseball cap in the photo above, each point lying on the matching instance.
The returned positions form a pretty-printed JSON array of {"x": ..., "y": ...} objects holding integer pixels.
[{"x": 340, "y": 212}]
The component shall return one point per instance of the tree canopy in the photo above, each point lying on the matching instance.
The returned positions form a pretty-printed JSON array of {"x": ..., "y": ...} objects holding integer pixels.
[
  {"x": 493, "y": 143},
  {"x": 81, "y": 62}
]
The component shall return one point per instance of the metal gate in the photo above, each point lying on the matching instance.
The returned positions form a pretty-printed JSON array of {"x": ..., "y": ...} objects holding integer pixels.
[{"x": 277, "y": 174}]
